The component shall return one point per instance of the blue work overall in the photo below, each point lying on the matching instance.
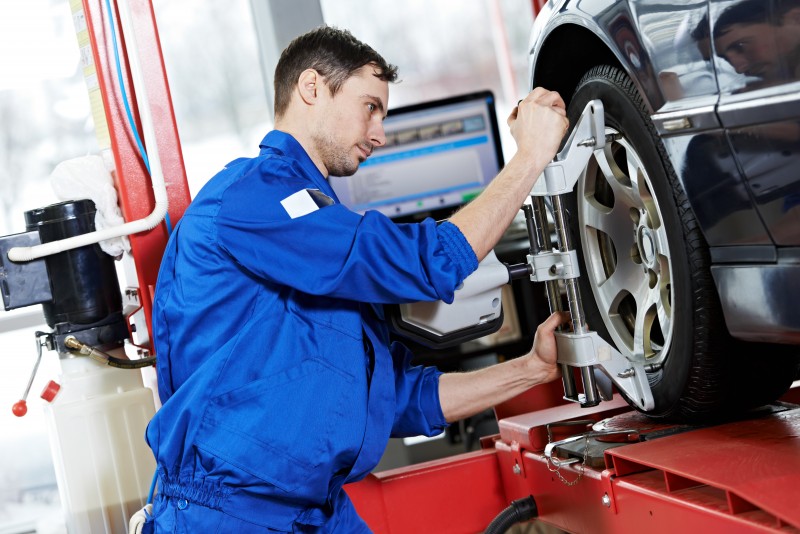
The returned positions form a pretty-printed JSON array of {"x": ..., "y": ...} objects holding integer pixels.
[{"x": 275, "y": 370}]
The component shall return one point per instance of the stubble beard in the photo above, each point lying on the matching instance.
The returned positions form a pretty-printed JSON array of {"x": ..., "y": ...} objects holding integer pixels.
[{"x": 336, "y": 159}]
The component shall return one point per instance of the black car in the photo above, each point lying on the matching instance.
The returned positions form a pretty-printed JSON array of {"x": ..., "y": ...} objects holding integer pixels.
[{"x": 688, "y": 224}]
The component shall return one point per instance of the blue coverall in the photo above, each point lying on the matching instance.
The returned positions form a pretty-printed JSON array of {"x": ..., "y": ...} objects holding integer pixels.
[{"x": 275, "y": 371}]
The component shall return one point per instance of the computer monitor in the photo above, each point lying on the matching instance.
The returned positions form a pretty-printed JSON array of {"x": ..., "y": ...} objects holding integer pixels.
[{"x": 438, "y": 156}]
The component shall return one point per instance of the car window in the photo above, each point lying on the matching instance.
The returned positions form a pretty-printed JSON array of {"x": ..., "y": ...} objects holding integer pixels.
[{"x": 756, "y": 43}]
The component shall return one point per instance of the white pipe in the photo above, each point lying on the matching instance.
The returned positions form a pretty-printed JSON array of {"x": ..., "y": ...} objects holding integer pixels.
[{"x": 21, "y": 254}]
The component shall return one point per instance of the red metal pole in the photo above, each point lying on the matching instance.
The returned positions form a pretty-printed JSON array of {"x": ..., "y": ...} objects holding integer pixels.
[{"x": 131, "y": 177}]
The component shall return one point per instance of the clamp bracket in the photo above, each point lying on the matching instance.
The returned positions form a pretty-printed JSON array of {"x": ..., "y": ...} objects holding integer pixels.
[
  {"x": 588, "y": 349},
  {"x": 561, "y": 175},
  {"x": 554, "y": 265}
]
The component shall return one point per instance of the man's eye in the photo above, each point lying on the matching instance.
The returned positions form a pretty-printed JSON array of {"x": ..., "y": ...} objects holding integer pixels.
[{"x": 372, "y": 107}]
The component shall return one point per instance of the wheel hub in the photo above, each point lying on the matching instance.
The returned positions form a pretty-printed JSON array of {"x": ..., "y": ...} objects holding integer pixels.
[{"x": 648, "y": 250}]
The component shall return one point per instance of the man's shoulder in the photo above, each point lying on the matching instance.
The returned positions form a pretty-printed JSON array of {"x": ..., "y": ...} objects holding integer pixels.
[{"x": 271, "y": 174}]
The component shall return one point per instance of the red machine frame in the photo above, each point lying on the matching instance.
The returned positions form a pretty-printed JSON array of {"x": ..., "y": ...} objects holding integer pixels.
[{"x": 739, "y": 477}]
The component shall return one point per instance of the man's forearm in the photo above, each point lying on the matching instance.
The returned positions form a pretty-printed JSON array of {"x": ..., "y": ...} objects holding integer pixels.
[
  {"x": 465, "y": 394},
  {"x": 484, "y": 220},
  {"x": 538, "y": 124}
]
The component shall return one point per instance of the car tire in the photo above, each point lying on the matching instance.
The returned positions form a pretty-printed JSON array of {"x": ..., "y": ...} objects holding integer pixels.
[{"x": 646, "y": 281}]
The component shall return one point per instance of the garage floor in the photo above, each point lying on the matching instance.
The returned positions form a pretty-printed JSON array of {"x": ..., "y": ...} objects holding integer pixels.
[{"x": 537, "y": 527}]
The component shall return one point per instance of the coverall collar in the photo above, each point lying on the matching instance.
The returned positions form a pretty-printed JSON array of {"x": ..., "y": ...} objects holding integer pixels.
[{"x": 284, "y": 143}]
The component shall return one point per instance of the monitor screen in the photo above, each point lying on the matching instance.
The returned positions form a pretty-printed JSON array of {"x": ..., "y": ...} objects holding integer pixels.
[{"x": 438, "y": 156}]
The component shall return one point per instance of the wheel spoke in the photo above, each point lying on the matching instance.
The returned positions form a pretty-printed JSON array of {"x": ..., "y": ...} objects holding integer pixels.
[
  {"x": 664, "y": 316},
  {"x": 616, "y": 225},
  {"x": 649, "y": 204},
  {"x": 626, "y": 279},
  {"x": 595, "y": 215},
  {"x": 664, "y": 303},
  {"x": 625, "y": 189},
  {"x": 660, "y": 234},
  {"x": 636, "y": 175},
  {"x": 647, "y": 301}
]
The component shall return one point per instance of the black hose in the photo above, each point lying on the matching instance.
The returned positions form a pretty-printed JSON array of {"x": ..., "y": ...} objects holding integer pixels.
[
  {"x": 121, "y": 363},
  {"x": 519, "y": 510},
  {"x": 107, "y": 359}
]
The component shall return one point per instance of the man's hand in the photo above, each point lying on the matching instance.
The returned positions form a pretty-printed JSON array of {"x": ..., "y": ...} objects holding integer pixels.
[
  {"x": 541, "y": 360},
  {"x": 465, "y": 394},
  {"x": 538, "y": 124}
]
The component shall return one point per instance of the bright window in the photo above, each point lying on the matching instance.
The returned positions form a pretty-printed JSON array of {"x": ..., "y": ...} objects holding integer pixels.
[
  {"x": 213, "y": 67},
  {"x": 44, "y": 119},
  {"x": 446, "y": 48}
]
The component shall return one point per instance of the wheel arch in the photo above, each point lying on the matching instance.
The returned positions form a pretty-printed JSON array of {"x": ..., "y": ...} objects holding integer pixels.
[{"x": 568, "y": 50}]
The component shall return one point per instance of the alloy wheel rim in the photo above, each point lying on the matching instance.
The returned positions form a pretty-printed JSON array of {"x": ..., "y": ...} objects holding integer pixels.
[{"x": 627, "y": 255}]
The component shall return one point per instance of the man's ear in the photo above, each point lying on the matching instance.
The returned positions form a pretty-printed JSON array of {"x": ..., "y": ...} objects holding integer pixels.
[{"x": 308, "y": 84}]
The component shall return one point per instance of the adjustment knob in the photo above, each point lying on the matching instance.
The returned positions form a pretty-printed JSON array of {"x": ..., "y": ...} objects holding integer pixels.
[
  {"x": 20, "y": 408},
  {"x": 50, "y": 391}
]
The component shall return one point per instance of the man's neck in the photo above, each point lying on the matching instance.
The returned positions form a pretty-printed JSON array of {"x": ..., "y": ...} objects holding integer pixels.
[{"x": 302, "y": 136}]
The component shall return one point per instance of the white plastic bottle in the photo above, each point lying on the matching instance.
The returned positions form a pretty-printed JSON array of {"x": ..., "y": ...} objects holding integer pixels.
[{"x": 103, "y": 465}]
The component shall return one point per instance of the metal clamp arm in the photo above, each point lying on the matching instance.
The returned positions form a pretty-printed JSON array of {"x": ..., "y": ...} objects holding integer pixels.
[
  {"x": 554, "y": 266},
  {"x": 589, "y": 349},
  {"x": 561, "y": 175}
]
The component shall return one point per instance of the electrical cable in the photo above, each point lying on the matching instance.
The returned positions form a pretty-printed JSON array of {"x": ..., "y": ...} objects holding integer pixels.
[
  {"x": 123, "y": 94},
  {"x": 125, "y": 102},
  {"x": 517, "y": 512},
  {"x": 152, "y": 487}
]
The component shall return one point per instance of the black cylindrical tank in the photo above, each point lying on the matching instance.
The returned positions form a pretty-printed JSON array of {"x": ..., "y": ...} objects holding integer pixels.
[{"x": 83, "y": 281}]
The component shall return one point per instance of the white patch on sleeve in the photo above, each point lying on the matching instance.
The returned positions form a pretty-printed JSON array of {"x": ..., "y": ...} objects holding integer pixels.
[{"x": 299, "y": 204}]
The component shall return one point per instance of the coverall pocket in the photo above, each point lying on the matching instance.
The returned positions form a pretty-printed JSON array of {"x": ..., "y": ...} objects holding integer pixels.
[{"x": 278, "y": 428}]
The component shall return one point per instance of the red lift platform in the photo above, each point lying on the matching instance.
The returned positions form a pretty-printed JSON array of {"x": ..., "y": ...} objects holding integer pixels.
[{"x": 741, "y": 476}]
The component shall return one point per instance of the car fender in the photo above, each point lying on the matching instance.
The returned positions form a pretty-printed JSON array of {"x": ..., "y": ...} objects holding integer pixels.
[{"x": 611, "y": 26}]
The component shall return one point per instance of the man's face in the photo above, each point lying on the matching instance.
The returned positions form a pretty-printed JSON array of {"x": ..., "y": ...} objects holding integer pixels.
[
  {"x": 352, "y": 122},
  {"x": 751, "y": 49}
]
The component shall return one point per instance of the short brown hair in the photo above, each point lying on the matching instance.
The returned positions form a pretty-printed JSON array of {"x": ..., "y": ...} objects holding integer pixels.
[{"x": 332, "y": 52}]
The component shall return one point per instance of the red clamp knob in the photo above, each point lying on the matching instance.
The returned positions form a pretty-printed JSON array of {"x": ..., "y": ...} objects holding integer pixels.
[
  {"x": 50, "y": 391},
  {"x": 20, "y": 408}
]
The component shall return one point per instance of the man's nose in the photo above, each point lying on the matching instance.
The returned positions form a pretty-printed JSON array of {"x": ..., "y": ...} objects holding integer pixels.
[
  {"x": 378, "y": 135},
  {"x": 739, "y": 63}
]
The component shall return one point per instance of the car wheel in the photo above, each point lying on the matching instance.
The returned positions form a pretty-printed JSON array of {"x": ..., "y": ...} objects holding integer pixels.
[{"x": 645, "y": 270}]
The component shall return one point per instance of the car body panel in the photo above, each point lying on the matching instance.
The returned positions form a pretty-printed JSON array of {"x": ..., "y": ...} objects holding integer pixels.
[
  {"x": 759, "y": 66},
  {"x": 753, "y": 301},
  {"x": 636, "y": 32},
  {"x": 716, "y": 191},
  {"x": 680, "y": 87}
]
